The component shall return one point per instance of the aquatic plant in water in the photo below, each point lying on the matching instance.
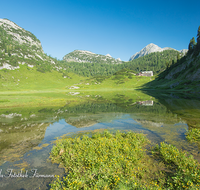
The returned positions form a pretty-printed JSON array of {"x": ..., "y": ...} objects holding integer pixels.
[
  {"x": 193, "y": 135},
  {"x": 120, "y": 161}
]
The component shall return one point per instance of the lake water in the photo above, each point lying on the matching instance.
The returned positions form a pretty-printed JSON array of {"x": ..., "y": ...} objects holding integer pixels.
[{"x": 28, "y": 134}]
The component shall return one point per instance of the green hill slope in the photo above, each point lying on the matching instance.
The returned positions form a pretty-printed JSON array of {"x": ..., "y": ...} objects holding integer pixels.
[
  {"x": 26, "y": 78},
  {"x": 124, "y": 79},
  {"x": 184, "y": 75}
]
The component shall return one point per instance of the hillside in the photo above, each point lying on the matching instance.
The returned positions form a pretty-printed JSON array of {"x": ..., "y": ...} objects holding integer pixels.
[
  {"x": 19, "y": 47},
  {"x": 26, "y": 78},
  {"x": 156, "y": 62},
  {"x": 184, "y": 75},
  {"x": 24, "y": 65},
  {"x": 82, "y": 56},
  {"x": 124, "y": 79}
]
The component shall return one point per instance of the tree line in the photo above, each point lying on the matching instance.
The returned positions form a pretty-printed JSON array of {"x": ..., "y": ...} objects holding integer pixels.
[{"x": 156, "y": 62}]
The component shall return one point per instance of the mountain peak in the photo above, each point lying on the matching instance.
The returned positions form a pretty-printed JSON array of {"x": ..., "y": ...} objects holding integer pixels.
[
  {"x": 9, "y": 24},
  {"x": 82, "y": 56},
  {"x": 151, "y": 45},
  {"x": 19, "y": 34},
  {"x": 151, "y": 48},
  {"x": 19, "y": 46}
]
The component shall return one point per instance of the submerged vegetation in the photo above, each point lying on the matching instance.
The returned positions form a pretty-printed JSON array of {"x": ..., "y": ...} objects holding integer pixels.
[
  {"x": 193, "y": 135},
  {"x": 120, "y": 160},
  {"x": 184, "y": 171}
]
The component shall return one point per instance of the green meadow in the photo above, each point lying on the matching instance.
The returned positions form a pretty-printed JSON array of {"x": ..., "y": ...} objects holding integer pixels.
[
  {"x": 28, "y": 87},
  {"x": 64, "y": 97},
  {"x": 29, "y": 79}
]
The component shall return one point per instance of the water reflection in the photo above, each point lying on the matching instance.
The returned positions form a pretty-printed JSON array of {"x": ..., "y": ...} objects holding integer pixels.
[
  {"x": 146, "y": 103},
  {"x": 185, "y": 106},
  {"x": 26, "y": 134}
]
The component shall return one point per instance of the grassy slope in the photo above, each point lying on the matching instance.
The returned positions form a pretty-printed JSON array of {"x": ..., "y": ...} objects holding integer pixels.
[
  {"x": 182, "y": 77},
  {"x": 124, "y": 79},
  {"x": 26, "y": 79}
]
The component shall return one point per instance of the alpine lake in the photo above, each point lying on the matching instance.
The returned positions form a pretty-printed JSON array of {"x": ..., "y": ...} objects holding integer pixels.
[{"x": 30, "y": 123}]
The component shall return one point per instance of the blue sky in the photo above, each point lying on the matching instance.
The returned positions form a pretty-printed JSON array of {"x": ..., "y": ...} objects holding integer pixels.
[{"x": 120, "y": 28}]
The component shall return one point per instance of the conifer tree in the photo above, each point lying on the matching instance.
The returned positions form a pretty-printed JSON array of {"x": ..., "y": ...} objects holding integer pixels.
[
  {"x": 178, "y": 56},
  {"x": 198, "y": 38},
  {"x": 192, "y": 45}
]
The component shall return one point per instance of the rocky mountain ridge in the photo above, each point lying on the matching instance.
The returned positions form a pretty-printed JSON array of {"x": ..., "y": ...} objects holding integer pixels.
[
  {"x": 19, "y": 34},
  {"x": 82, "y": 56},
  {"x": 151, "y": 48},
  {"x": 18, "y": 46}
]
